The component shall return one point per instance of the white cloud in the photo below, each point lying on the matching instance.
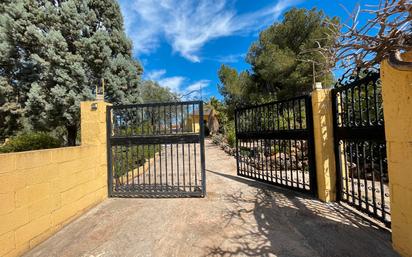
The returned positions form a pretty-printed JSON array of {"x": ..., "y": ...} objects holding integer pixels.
[
  {"x": 155, "y": 74},
  {"x": 173, "y": 83},
  {"x": 198, "y": 85},
  {"x": 188, "y": 25},
  {"x": 196, "y": 90},
  {"x": 231, "y": 58},
  {"x": 178, "y": 84}
]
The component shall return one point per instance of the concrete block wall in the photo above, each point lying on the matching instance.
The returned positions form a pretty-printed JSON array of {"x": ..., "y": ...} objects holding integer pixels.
[
  {"x": 41, "y": 191},
  {"x": 397, "y": 102}
]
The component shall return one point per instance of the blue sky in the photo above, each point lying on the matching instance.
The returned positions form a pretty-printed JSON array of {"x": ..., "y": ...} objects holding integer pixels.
[{"x": 182, "y": 43}]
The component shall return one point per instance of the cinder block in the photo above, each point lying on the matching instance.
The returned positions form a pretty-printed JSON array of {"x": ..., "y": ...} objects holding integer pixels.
[
  {"x": 32, "y": 159},
  {"x": 41, "y": 174},
  {"x": 402, "y": 239},
  {"x": 38, "y": 191},
  {"x": 18, "y": 251},
  {"x": 63, "y": 214},
  {"x": 21, "y": 197},
  {"x": 90, "y": 187},
  {"x": 86, "y": 202},
  {"x": 102, "y": 180},
  {"x": 73, "y": 194},
  {"x": 65, "y": 183},
  {"x": 67, "y": 154},
  {"x": 84, "y": 176},
  {"x": 7, "y": 243},
  {"x": 400, "y": 152},
  {"x": 70, "y": 167},
  {"x": 7, "y": 203},
  {"x": 10, "y": 182},
  {"x": 101, "y": 193},
  {"x": 43, "y": 236},
  {"x": 40, "y": 208},
  {"x": 56, "y": 201},
  {"x": 8, "y": 162},
  {"x": 13, "y": 220},
  {"x": 32, "y": 229},
  {"x": 401, "y": 206},
  {"x": 397, "y": 172}
]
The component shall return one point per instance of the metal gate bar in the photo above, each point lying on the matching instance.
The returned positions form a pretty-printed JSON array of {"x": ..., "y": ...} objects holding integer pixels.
[
  {"x": 360, "y": 147},
  {"x": 156, "y": 150},
  {"x": 274, "y": 143}
]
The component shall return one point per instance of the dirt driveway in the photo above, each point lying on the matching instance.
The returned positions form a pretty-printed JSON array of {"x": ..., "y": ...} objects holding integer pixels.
[{"x": 239, "y": 217}]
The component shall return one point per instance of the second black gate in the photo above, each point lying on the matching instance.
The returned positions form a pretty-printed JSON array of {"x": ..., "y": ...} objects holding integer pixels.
[
  {"x": 275, "y": 144},
  {"x": 156, "y": 150},
  {"x": 360, "y": 146}
]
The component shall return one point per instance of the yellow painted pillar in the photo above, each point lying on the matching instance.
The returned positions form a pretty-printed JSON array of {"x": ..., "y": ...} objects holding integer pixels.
[
  {"x": 324, "y": 151},
  {"x": 93, "y": 122},
  {"x": 93, "y": 132},
  {"x": 397, "y": 103}
]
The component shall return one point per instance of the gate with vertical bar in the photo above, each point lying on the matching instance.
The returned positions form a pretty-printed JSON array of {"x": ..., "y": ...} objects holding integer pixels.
[
  {"x": 274, "y": 144},
  {"x": 156, "y": 150},
  {"x": 360, "y": 146}
]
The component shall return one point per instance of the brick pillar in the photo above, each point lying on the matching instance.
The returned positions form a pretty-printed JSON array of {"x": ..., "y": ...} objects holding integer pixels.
[
  {"x": 324, "y": 151},
  {"x": 397, "y": 102}
]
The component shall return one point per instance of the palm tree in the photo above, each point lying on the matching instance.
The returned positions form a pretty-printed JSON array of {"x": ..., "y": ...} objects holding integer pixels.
[{"x": 213, "y": 123}]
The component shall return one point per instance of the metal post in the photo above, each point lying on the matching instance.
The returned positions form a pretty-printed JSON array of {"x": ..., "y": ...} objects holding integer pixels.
[
  {"x": 202, "y": 147},
  {"x": 237, "y": 144},
  {"x": 311, "y": 146},
  {"x": 109, "y": 149}
]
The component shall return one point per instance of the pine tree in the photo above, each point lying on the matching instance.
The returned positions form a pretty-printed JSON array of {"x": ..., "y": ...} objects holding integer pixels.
[
  {"x": 152, "y": 92},
  {"x": 53, "y": 54},
  {"x": 281, "y": 61}
]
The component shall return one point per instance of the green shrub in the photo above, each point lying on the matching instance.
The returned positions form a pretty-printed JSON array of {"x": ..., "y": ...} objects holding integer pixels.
[
  {"x": 231, "y": 139},
  {"x": 133, "y": 157},
  {"x": 30, "y": 141},
  {"x": 230, "y": 134}
]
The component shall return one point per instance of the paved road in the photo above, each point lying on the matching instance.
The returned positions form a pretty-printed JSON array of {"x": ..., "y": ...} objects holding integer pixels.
[{"x": 239, "y": 217}]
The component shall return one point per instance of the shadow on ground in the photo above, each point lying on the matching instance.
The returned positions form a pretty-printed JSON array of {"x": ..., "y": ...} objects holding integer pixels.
[
  {"x": 292, "y": 224},
  {"x": 238, "y": 217}
]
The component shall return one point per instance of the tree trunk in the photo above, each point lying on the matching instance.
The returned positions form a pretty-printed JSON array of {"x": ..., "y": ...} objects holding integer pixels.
[{"x": 71, "y": 135}]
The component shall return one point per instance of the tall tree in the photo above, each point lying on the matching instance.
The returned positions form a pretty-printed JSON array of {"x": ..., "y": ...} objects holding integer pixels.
[
  {"x": 281, "y": 64},
  {"x": 151, "y": 91},
  {"x": 53, "y": 53},
  {"x": 235, "y": 87}
]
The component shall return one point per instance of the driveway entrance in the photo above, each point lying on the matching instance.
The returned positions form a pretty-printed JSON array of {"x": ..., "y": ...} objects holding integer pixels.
[{"x": 238, "y": 217}]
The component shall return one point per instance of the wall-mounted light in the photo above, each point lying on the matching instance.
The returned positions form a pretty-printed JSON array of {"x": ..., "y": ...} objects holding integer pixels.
[
  {"x": 94, "y": 107},
  {"x": 318, "y": 85}
]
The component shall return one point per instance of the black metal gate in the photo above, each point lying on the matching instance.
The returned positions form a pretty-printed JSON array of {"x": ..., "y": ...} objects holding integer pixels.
[
  {"x": 156, "y": 150},
  {"x": 274, "y": 144},
  {"x": 360, "y": 147}
]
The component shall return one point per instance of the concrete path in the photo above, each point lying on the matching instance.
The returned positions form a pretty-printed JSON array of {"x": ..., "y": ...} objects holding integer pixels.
[{"x": 239, "y": 217}]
